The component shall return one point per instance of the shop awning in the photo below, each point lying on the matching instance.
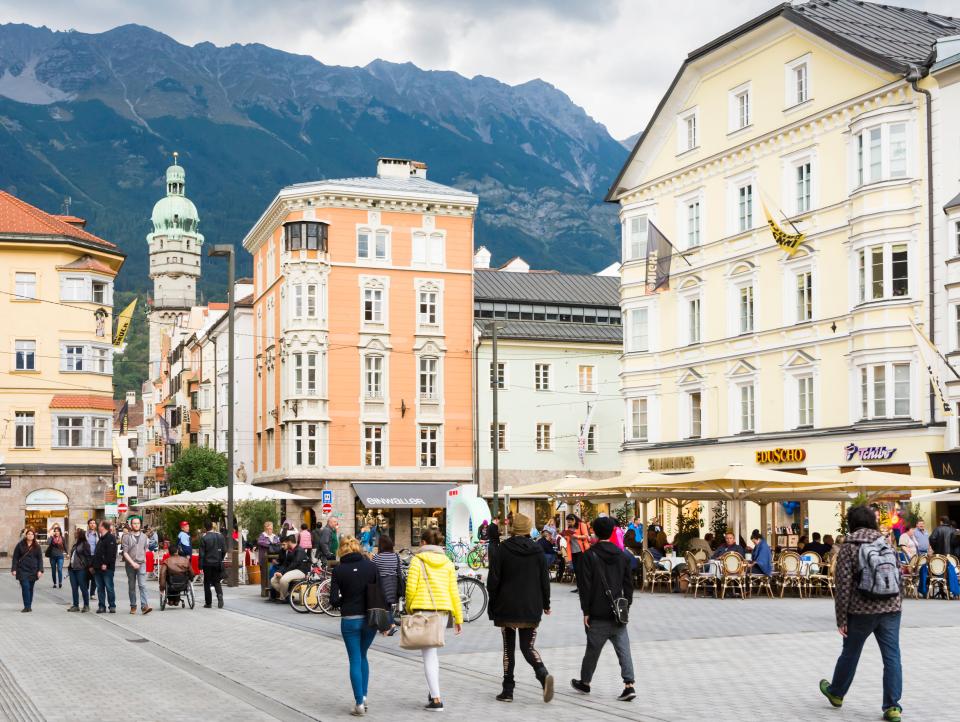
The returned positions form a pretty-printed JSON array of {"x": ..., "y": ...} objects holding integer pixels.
[{"x": 403, "y": 495}]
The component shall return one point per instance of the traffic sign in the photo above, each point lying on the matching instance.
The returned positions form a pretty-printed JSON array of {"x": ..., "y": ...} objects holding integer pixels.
[
  {"x": 326, "y": 496},
  {"x": 121, "y": 508},
  {"x": 326, "y": 509},
  {"x": 121, "y": 490}
]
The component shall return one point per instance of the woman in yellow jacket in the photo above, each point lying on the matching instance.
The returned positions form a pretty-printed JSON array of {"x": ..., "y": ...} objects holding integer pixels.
[{"x": 432, "y": 586}]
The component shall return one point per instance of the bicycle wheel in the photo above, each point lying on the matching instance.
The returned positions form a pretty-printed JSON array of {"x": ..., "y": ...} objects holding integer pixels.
[
  {"x": 473, "y": 598},
  {"x": 323, "y": 592},
  {"x": 475, "y": 559},
  {"x": 312, "y": 598},
  {"x": 295, "y": 596}
]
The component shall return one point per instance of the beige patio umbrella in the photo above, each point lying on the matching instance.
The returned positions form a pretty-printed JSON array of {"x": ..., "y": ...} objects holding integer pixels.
[
  {"x": 949, "y": 495},
  {"x": 556, "y": 487},
  {"x": 873, "y": 483}
]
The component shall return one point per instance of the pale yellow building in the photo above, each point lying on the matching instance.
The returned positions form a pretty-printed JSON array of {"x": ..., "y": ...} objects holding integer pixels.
[
  {"x": 56, "y": 370},
  {"x": 751, "y": 349}
]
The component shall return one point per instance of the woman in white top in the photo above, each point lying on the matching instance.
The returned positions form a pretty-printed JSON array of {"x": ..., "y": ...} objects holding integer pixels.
[{"x": 908, "y": 544}]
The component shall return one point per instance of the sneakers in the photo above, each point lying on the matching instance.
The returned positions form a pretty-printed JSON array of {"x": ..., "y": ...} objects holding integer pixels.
[
  {"x": 834, "y": 699},
  {"x": 101, "y": 610},
  {"x": 219, "y": 602},
  {"x": 113, "y": 610},
  {"x": 133, "y": 610},
  {"x": 628, "y": 694},
  {"x": 74, "y": 608},
  {"x": 207, "y": 606},
  {"x": 434, "y": 706},
  {"x": 505, "y": 696},
  {"x": 892, "y": 714},
  {"x": 548, "y": 688},
  {"x": 358, "y": 710},
  {"x": 581, "y": 687},
  {"x": 146, "y": 610},
  {"x": 85, "y": 609},
  {"x": 25, "y": 610}
]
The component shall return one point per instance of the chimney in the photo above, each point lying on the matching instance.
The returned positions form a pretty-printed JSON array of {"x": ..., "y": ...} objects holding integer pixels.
[
  {"x": 400, "y": 168},
  {"x": 132, "y": 398},
  {"x": 481, "y": 259}
]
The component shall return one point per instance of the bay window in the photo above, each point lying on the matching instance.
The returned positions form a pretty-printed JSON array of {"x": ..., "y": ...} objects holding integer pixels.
[
  {"x": 881, "y": 153},
  {"x": 883, "y": 271},
  {"x": 637, "y": 419},
  {"x": 885, "y": 390}
]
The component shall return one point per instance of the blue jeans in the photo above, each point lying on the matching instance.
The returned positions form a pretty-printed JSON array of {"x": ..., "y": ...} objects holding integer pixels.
[
  {"x": 78, "y": 584},
  {"x": 357, "y": 638},
  {"x": 56, "y": 570},
  {"x": 105, "y": 591},
  {"x": 26, "y": 589},
  {"x": 886, "y": 628}
]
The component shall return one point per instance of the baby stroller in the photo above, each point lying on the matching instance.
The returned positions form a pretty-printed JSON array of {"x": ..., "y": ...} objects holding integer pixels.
[{"x": 178, "y": 588}]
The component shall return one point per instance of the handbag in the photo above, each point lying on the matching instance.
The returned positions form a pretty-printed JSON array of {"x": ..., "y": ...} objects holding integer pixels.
[
  {"x": 377, "y": 615},
  {"x": 422, "y": 629},
  {"x": 620, "y": 605}
]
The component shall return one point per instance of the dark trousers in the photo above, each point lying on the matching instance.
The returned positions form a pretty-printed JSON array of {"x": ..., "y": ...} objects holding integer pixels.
[
  {"x": 211, "y": 578},
  {"x": 26, "y": 589},
  {"x": 78, "y": 584},
  {"x": 528, "y": 638},
  {"x": 886, "y": 628},
  {"x": 599, "y": 633},
  {"x": 105, "y": 593},
  {"x": 575, "y": 560}
]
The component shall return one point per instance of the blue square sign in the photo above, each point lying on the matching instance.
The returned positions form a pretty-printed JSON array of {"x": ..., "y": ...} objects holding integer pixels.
[{"x": 326, "y": 496}]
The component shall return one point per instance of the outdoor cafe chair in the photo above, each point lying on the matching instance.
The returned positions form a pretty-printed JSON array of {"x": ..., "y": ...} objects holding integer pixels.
[
  {"x": 701, "y": 556},
  {"x": 822, "y": 578},
  {"x": 953, "y": 560},
  {"x": 652, "y": 573},
  {"x": 790, "y": 573},
  {"x": 937, "y": 575},
  {"x": 697, "y": 576},
  {"x": 911, "y": 577},
  {"x": 733, "y": 571},
  {"x": 759, "y": 582}
]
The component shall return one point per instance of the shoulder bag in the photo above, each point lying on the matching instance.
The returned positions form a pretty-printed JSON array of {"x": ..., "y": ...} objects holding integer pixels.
[
  {"x": 619, "y": 605},
  {"x": 377, "y": 615},
  {"x": 422, "y": 629}
]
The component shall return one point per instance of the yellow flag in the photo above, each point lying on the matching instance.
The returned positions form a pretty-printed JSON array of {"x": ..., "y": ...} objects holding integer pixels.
[
  {"x": 789, "y": 242},
  {"x": 123, "y": 323}
]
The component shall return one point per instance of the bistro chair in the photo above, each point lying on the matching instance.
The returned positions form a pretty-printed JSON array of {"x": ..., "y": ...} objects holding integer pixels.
[
  {"x": 956, "y": 563},
  {"x": 911, "y": 577},
  {"x": 759, "y": 582},
  {"x": 652, "y": 573},
  {"x": 790, "y": 573},
  {"x": 937, "y": 575},
  {"x": 701, "y": 556},
  {"x": 732, "y": 569},
  {"x": 822, "y": 578},
  {"x": 697, "y": 576}
]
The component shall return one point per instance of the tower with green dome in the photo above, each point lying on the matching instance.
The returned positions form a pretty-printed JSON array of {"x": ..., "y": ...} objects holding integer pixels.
[{"x": 175, "y": 247}]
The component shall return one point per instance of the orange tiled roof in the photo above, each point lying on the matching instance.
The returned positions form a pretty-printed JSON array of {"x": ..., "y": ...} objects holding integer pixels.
[
  {"x": 17, "y": 216},
  {"x": 87, "y": 262},
  {"x": 81, "y": 401}
]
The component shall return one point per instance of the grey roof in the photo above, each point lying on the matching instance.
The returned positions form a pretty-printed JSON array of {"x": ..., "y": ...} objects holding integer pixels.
[
  {"x": 394, "y": 185},
  {"x": 952, "y": 203},
  {"x": 603, "y": 291},
  {"x": 554, "y": 331}
]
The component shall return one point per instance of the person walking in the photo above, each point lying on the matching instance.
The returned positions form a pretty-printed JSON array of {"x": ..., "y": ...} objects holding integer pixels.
[
  {"x": 104, "y": 564},
  {"x": 577, "y": 534},
  {"x": 605, "y": 586},
  {"x": 212, "y": 551},
  {"x": 391, "y": 578},
  {"x": 56, "y": 550},
  {"x": 348, "y": 593},
  {"x": 27, "y": 566},
  {"x": 859, "y": 616},
  {"x": 133, "y": 549},
  {"x": 519, "y": 587},
  {"x": 432, "y": 587},
  {"x": 81, "y": 559},
  {"x": 93, "y": 537},
  {"x": 493, "y": 539}
]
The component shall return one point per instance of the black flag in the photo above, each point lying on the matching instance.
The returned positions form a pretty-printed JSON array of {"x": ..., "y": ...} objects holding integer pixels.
[{"x": 659, "y": 253}]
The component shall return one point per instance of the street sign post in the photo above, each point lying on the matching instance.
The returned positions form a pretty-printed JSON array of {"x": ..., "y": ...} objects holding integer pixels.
[
  {"x": 122, "y": 508},
  {"x": 326, "y": 499}
]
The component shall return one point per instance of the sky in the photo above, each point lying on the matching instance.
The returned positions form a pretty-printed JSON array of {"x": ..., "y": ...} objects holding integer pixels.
[{"x": 614, "y": 58}]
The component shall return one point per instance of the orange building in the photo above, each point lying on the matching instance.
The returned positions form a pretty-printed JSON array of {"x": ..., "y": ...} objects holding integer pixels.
[{"x": 362, "y": 337}]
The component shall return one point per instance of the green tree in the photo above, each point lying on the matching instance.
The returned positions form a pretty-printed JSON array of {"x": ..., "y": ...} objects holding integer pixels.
[
  {"x": 170, "y": 519},
  {"x": 197, "y": 468},
  {"x": 252, "y": 514}
]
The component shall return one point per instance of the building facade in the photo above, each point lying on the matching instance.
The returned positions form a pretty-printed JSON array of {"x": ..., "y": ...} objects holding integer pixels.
[
  {"x": 362, "y": 343},
  {"x": 559, "y": 342},
  {"x": 56, "y": 389},
  {"x": 754, "y": 349},
  {"x": 129, "y": 449}
]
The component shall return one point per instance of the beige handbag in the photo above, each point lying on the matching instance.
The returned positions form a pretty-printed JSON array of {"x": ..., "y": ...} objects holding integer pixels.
[{"x": 422, "y": 629}]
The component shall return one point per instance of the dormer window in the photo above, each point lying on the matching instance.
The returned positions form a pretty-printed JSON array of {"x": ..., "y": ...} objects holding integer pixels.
[{"x": 305, "y": 235}]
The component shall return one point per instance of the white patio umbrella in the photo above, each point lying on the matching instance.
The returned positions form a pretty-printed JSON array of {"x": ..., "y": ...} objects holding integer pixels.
[
  {"x": 252, "y": 492},
  {"x": 570, "y": 483},
  {"x": 184, "y": 498},
  {"x": 868, "y": 481},
  {"x": 949, "y": 495}
]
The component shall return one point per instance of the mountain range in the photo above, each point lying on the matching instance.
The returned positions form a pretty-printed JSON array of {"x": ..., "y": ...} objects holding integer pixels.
[{"x": 96, "y": 117}]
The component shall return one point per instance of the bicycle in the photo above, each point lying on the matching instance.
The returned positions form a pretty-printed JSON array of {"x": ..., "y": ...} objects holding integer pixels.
[
  {"x": 297, "y": 595},
  {"x": 478, "y": 556},
  {"x": 457, "y": 551}
]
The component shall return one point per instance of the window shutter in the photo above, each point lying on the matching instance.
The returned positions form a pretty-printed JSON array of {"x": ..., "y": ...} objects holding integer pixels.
[{"x": 436, "y": 249}]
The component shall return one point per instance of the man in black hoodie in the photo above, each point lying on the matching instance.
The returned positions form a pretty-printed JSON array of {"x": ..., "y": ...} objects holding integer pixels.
[
  {"x": 212, "y": 551},
  {"x": 604, "y": 573},
  {"x": 519, "y": 587},
  {"x": 104, "y": 564}
]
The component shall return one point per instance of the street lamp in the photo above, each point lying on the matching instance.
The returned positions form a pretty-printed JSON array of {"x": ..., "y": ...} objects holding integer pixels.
[{"x": 225, "y": 250}]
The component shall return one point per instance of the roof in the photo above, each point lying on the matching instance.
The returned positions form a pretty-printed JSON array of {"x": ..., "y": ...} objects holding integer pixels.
[
  {"x": 81, "y": 401},
  {"x": 571, "y": 288},
  {"x": 134, "y": 413},
  {"x": 952, "y": 203},
  {"x": 87, "y": 262},
  {"x": 553, "y": 331},
  {"x": 413, "y": 184},
  {"x": 19, "y": 217},
  {"x": 890, "y": 37}
]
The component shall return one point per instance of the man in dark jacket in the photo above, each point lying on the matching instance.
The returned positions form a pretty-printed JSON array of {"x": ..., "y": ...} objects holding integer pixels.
[
  {"x": 104, "y": 564},
  {"x": 493, "y": 539},
  {"x": 328, "y": 541},
  {"x": 212, "y": 550},
  {"x": 519, "y": 587},
  {"x": 604, "y": 574},
  {"x": 294, "y": 565},
  {"x": 941, "y": 541}
]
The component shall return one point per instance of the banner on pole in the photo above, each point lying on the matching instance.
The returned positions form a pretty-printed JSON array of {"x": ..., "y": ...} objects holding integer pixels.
[
  {"x": 938, "y": 368},
  {"x": 123, "y": 323},
  {"x": 584, "y": 434}
]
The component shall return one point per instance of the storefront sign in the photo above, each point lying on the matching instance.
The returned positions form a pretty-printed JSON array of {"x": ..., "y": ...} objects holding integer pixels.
[
  {"x": 671, "y": 463},
  {"x": 780, "y": 456},
  {"x": 868, "y": 453},
  {"x": 400, "y": 494},
  {"x": 945, "y": 464}
]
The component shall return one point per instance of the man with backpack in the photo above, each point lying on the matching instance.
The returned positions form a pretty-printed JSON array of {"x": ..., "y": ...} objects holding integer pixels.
[
  {"x": 606, "y": 593},
  {"x": 867, "y": 602}
]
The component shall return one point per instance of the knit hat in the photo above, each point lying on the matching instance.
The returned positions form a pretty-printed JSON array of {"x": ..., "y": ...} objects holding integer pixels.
[
  {"x": 603, "y": 527},
  {"x": 521, "y": 525}
]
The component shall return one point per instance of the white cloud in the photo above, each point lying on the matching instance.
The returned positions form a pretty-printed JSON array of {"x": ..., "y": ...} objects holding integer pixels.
[{"x": 613, "y": 57}]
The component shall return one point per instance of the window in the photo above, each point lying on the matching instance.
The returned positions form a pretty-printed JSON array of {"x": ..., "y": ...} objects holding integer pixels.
[
  {"x": 69, "y": 431},
  {"x": 25, "y": 286},
  {"x": 99, "y": 432},
  {"x": 693, "y": 224},
  {"x": 898, "y": 150},
  {"x": 427, "y": 308},
  {"x": 372, "y": 244},
  {"x": 498, "y": 436},
  {"x": 428, "y": 378},
  {"x": 305, "y": 439},
  {"x": 956, "y": 237},
  {"x": 591, "y": 438},
  {"x": 102, "y": 359},
  {"x": 305, "y": 300},
  {"x": 428, "y": 249},
  {"x": 373, "y": 305},
  {"x": 687, "y": 131},
  {"x": 585, "y": 376},
  {"x": 544, "y": 437},
  {"x": 373, "y": 377},
  {"x": 637, "y": 415},
  {"x": 73, "y": 288},
  {"x": 881, "y": 153},
  {"x": 24, "y": 429},
  {"x": 746, "y": 309},
  {"x": 638, "y": 331},
  {"x": 101, "y": 292},
  {"x": 883, "y": 272},
  {"x": 802, "y": 177},
  {"x": 805, "y": 401},
  {"x": 73, "y": 356},
  {"x": 747, "y": 409},
  {"x": 745, "y": 207},
  {"x": 541, "y": 374},
  {"x": 635, "y": 238},
  {"x": 429, "y": 447},
  {"x": 885, "y": 388},
  {"x": 801, "y": 85},
  {"x": 26, "y": 355},
  {"x": 693, "y": 320},
  {"x": 694, "y": 402},
  {"x": 498, "y": 376},
  {"x": 304, "y": 235},
  {"x": 373, "y": 445},
  {"x": 305, "y": 374},
  {"x": 739, "y": 109},
  {"x": 804, "y": 296}
]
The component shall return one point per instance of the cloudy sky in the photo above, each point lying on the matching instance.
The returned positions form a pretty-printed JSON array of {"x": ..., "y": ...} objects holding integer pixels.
[{"x": 613, "y": 57}]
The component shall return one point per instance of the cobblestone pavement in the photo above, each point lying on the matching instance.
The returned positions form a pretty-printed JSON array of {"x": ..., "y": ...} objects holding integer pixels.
[{"x": 702, "y": 659}]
